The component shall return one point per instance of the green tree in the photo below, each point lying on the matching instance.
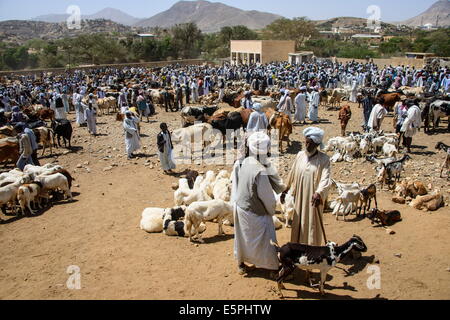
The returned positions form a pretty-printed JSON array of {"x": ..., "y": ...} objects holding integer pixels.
[
  {"x": 297, "y": 29},
  {"x": 186, "y": 39}
]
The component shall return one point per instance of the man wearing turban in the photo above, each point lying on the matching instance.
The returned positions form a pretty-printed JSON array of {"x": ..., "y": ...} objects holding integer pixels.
[
  {"x": 258, "y": 120},
  {"x": 309, "y": 181},
  {"x": 254, "y": 183}
]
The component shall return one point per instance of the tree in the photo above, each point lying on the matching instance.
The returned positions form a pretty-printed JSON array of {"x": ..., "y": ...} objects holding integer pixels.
[
  {"x": 297, "y": 29},
  {"x": 186, "y": 39}
]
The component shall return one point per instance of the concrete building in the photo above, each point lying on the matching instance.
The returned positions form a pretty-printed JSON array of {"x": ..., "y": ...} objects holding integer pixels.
[
  {"x": 301, "y": 57},
  {"x": 260, "y": 51}
]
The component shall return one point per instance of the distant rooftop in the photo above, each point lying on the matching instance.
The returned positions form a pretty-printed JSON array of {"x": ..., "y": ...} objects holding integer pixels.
[{"x": 366, "y": 36}]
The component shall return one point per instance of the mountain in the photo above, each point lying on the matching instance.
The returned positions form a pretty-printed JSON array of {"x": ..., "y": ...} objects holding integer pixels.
[
  {"x": 209, "y": 16},
  {"x": 438, "y": 12},
  {"x": 20, "y": 31},
  {"x": 114, "y": 15}
]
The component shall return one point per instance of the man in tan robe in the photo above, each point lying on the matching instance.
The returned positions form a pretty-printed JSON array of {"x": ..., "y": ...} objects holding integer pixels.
[{"x": 309, "y": 181}]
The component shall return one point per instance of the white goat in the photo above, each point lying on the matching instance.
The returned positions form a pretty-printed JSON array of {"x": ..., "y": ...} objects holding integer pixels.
[
  {"x": 54, "y": 182},
  {"x": 390, "y": 150}
]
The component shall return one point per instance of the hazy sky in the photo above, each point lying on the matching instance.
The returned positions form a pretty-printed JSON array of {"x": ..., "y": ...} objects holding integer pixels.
[{"x": 391, "y": 10}]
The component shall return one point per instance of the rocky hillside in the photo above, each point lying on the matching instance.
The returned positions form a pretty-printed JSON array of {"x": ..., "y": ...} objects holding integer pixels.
[
  {"x": 438, "y": 13},
  {"x": 210, "y": 17},
  {"x": 114, "y": 15},
  {"x": 20, "y": 31}
]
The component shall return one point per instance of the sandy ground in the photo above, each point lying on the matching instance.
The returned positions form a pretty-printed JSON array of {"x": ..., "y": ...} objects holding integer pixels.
[{"x": 100, "y": 233}]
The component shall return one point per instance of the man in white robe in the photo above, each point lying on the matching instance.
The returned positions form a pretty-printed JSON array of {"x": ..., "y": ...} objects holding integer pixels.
[
  {"x": 377, "y": 116},
  {"x": 258, "y": 120},
  {"x": 285, "y": 105},
  {"x": 354, "y": 91},
  {"x": 300, "y": 106},
  {"x": 132, "y": 139},
  {"x": 90, "y": 115},
  {"x": 165, "y": 148},
  {"x": 254, "y": 183},
  {"x": 314, "y": 101},
  {"x": 309, "y": 181},
  {"x": 77, "y": 100},
  {"x": 412, "y": 124}
]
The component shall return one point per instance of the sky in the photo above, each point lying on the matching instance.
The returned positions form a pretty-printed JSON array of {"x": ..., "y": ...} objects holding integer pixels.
[{"x": 390, "y": 10}]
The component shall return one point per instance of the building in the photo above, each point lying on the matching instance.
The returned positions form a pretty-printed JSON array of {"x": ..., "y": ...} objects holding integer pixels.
[
  {"x": 260, "y": 51},
  {"x": 143, "y": 36},
  {"x": 419, "y": 55},
  {"x": 301, "y": 57}
]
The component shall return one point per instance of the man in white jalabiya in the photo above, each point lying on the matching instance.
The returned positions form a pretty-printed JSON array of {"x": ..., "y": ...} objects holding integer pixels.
[
  {"x": 254, "y": 182},
  {"x": 412, "y": 123},
  {"x": 165, "y": 148},
  {"x": 258, "y": 120},
  {"x": 285, "y": 105},
  {"x": 314, "y": 101},
  {"x": 354, "y": 91},
  {"x": 90, "y": 115},
  {"x": 132, "y": 139},
  {"x": 310, "y": 182},
  {"x": 377, "y": 116},
  {"x": 300, "y": 106}
]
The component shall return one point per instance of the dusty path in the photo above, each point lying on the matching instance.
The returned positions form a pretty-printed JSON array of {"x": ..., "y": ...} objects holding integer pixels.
[{"x": 100, "y": 233}]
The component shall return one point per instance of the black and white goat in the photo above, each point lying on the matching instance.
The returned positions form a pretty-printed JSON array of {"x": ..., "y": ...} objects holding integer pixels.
[
  {"x": 392, "y": 170},
  {"x": 294, "y": 255},
  {"x": 446, "y": 165}
]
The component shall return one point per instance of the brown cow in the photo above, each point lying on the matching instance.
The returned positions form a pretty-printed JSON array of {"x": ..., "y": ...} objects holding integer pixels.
[
  {"x": 282, "y": 123},
  {"x": 9, "y": 151},
  {"x": 390, "y": 99},
  {"x": 345, "y": 114},
  {"x": 46, "y": 114}
]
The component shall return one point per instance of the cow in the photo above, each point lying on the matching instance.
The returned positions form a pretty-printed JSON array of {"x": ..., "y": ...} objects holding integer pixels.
[
  {"x": 438, "y": 109},
  {"x": 336, "y": 97},
  {"x": 223, "y": 122},
  {"x": 190, "y": 115},
  {"x": 281, "y": 122},
  {"x": 390, "y": 99},
  {"x": 106, "y": 104},
  {"x": 9, "y": 150},
  {"x": 63, "y": 128},
  {"x": 345, "y": 114},
  {"x": 46, "y": 114},
  {"x": 45, "y": 137}
]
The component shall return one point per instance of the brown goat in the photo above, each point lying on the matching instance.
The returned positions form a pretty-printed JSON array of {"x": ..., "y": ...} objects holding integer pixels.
[
  {"x": 366, "y": 198},
  {"x": 385, "y": 218}
]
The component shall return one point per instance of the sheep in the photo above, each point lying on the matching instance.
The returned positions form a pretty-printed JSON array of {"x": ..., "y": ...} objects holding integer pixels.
[
  {"x": 207, "y": 183},
  {"x": 222, "y": 190},
  {"x": 54, "y": 182},
  {"x": 153, "y": 218},
  {"x": 183, "y": 192},
  {"x": 28, "y": 193},
  {"x": 199, "y": 212},
  {"x": 173, "y": 227},
  {"x": 8, "y": 194},
  {"x": 294, "y": 255},
  {"x": 286, "y": 205},
  {"x": 389, "y": 150},
  {"x": 42, "y": 171},
  {"x": 365, "y": 146}
]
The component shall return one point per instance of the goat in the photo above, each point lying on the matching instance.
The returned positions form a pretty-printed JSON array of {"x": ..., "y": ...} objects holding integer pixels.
[
  {"x": 385, "y": 218},
  {"x": 294, "y": 255},
  {"x": 349, "y": 200},
  {"x": 389, "y": 150},
  {"x": 366, "y": 197},
  {"x": 391, "y": 170},
  {"x": 446, "y": 165},
  {"x": 54, "y": 182}
]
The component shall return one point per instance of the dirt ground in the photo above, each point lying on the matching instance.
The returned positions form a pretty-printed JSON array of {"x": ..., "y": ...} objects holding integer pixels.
[{"x": 99, "y": 232}]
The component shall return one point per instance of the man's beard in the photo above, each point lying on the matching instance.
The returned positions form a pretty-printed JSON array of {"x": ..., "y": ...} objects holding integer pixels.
[{"x": 310, "y": 154}]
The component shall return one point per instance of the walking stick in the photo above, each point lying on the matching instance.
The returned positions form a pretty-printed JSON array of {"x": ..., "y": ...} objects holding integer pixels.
[{"x": 321, "y": 224}]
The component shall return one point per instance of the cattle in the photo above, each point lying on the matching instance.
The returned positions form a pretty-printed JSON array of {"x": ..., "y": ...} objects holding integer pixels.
[
  {"x": 336, "y": 97},
  {"x": 45, "y": 137},
  {"x": 187, "y": 137},
  {"x": 232, "y": 121},
  {"x": 233, "y": 98},
  {"x": 418, "y": 92},
  {"x": 345, "y": 114},
  {"x": 190, "y": 115},
  {"x": 46, "y": 114},
  {"x": 106, "y": 104},
  {"x": 8, "y": 131},
  {"x": 63, "y": 128},
  {"x": 390, "y": 99},
  {"x": 438, "y": 109},
  {"x": 282, "y": 123},
  {"x": 9, "y": 150}
]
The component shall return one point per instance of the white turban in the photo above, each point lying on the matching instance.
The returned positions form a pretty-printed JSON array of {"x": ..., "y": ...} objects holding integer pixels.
[
  {"x": 259, "y": 143},
  {"x": 303, "y": 88},
  {"x": 315, "y": 134},
  {"x": 257, "y": 107}
]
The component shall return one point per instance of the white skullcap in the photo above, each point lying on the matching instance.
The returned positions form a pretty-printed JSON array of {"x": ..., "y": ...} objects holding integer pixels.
[
  {"x": 315, "y": 134},
  {"x": 259, "y": 143},
  {"x": 303, "y": 88}
]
